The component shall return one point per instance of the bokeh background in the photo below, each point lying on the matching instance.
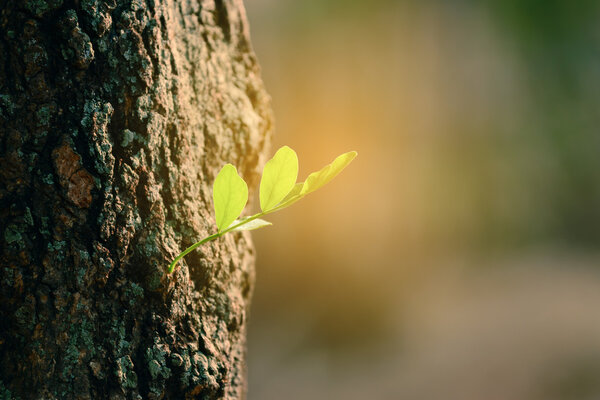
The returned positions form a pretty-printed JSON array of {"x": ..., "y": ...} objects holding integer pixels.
[{"x": 458, "y": 257}]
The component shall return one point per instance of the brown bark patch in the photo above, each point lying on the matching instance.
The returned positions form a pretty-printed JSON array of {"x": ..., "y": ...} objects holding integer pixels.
[{"x": 72, "y": 176}]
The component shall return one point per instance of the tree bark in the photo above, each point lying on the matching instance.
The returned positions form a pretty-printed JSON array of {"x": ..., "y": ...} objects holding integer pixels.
[{"x": 115, "y": 116}]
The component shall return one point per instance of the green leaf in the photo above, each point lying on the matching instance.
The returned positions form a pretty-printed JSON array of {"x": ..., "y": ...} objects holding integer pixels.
[
  {"x": 250, "y": 225},
  {"x": 278, "y": 178},
  {"x": 292, "y": 197},
  {"x": 294, "y": 192},
  {"x": 230, "y": 194},
  {"x": 318, "y": 179}
]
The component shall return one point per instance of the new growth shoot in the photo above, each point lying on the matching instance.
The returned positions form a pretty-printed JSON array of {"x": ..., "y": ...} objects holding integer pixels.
[{"x": 278, "y": 190}]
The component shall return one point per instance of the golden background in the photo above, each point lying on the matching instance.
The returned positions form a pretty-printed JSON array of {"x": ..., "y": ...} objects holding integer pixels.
[{"x": 458, "y": 256}]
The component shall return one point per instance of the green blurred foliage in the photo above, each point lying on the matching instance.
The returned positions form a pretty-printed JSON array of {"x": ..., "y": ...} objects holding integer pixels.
[{"x": 559, "y": 40}]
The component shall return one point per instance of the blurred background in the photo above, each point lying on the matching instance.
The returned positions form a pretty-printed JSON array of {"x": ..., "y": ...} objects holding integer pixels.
[{"x": 458, "y": 257}]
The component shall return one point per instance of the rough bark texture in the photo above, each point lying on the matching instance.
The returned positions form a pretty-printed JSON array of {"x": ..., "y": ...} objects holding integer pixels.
[{"x": 115, "y": 116}]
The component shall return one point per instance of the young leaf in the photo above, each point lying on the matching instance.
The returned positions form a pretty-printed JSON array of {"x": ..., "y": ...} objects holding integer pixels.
[
  {"x": 230, "y": 194},
  {"x": 292, "y": 197},
  {"x": 278, "y": 178},
  {"x": 250, "y": 225},
  {"x": 317, "y": 179}
]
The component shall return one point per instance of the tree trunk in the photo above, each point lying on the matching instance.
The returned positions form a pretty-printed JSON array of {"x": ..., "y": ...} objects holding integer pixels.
[{"x": 115, "y": 116}]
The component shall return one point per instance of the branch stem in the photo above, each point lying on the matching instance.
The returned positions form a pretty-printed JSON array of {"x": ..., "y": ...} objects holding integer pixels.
[{"x": 212, "y": 237}]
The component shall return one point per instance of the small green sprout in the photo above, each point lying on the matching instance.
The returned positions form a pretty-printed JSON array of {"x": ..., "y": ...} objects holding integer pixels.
[{"x": 278, "y": 190}]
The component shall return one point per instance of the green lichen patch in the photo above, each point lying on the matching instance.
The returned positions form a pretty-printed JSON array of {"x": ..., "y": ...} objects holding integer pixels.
[
  {"x": 98, "y": 15},
  {"x": 40, "y": 7},
  {"x": 156, "y": 361},
  {"x": 12, "y": 234},
  {"x": 28, "y": 218},
  {"x": 43, "y": 114},
  {"x": 96, "y": 118},
  {"x": 7, "y": 107},
  {"x": 134, "y": 293},
  {"x": 128, "y": 137},
  {"x": 124, "y": 372},
  {"x": 5, "y": 394}
]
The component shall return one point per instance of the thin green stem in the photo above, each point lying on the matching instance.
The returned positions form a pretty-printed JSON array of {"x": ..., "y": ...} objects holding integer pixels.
[
  {"x": 211, "y": 237},
  {"x": 190, "y": 249}
]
